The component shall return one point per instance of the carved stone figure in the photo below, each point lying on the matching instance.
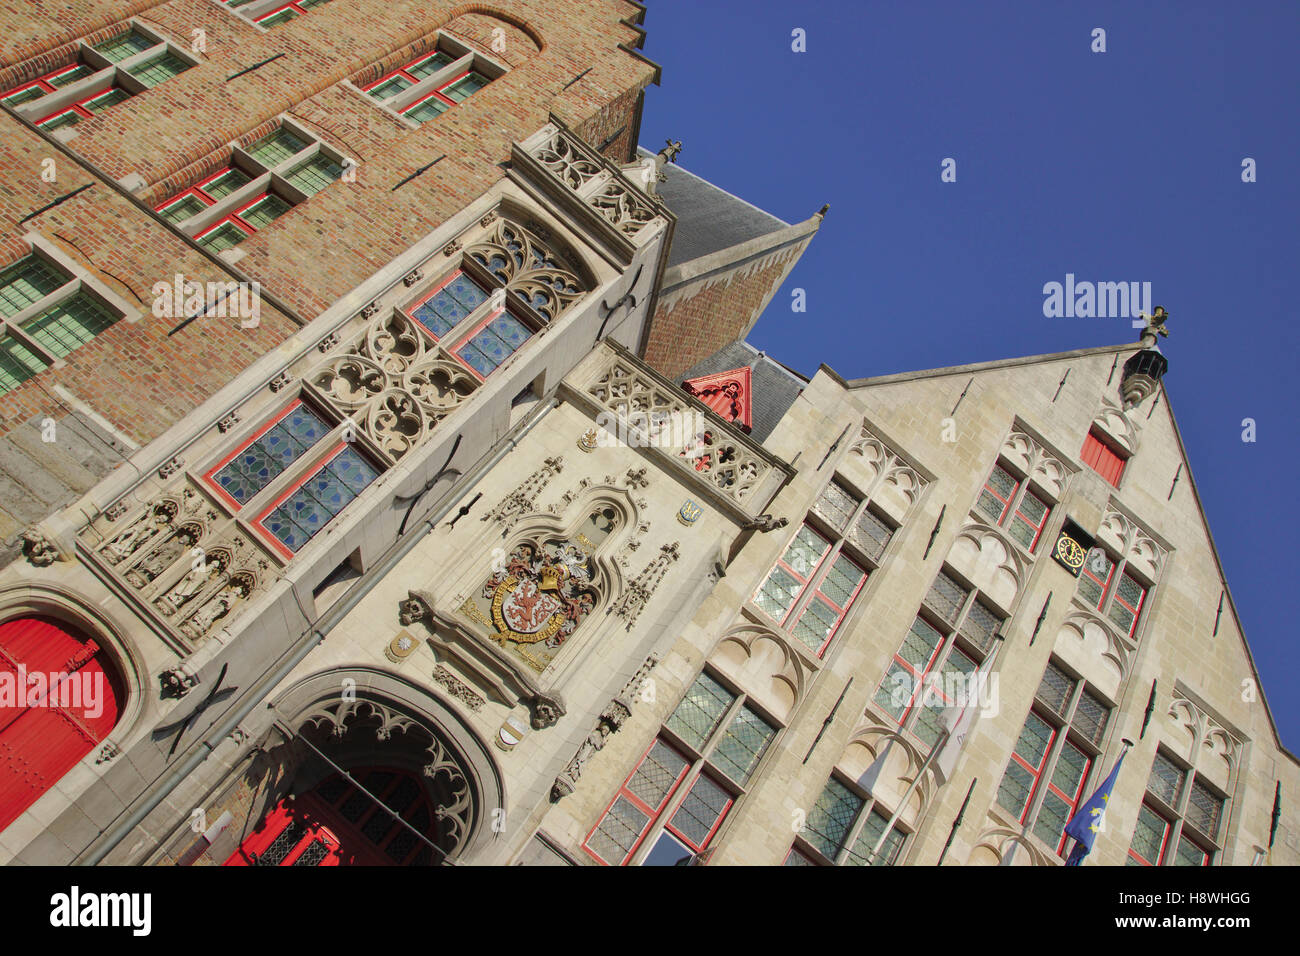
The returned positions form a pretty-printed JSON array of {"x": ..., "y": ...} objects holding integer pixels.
[
  {"x": 187, "y": 587},
  {"x": 167, "y": 554},
  {"x": 217, "y": 607},
  {"x": 135, "y": 535},
  {"x": 39, "y": 549}
]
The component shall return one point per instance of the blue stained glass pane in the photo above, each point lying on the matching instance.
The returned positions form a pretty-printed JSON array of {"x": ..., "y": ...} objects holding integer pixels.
[
  {"x": 257, "y": 465},
  {"x": 428, "y": 316},
  {"x": 354, "y": 470},
  {"x": 510, "y": 330},
  {"x": 466, "y": 291},
  {"x": 476, "y": 359},
  {"x": 330, "y": 492}
]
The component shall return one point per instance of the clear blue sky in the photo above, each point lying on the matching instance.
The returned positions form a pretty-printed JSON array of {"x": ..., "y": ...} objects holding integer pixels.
[{"x": 1123, "y": 165}]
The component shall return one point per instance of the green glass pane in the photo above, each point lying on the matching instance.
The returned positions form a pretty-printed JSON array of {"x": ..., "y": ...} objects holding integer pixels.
[
  {"x": 918, "y": 647},
  {"x": 390, "y": 87},
  {"x": 1149, "y": 835},
  {"x": 23, "y": 96},
  {"x": 156, "y": 69},
  {"x": 106, "y": 100},
  {"x": 182, "y": 209},
  {"x": 17, "y": 363},
  {"x": 1013, "y": 792},
  {"x": 124, "y": 45},
  {"x": 78, "y": 72},
  {"x": 275, "y": 19},
  {"x": 828, "y": 823},
  {"x": 226, "y": 183},
  {"x": 866, "y": 842},
  {"x": 276, "y": 147},
  {"x": 313, "y": 175},
  {"x": 777, "y": 594},
  {"x": 463, "y": 88},
  {"x": 697, "y": 716},
  {"x": 743, "y": 745},
  {"x": 25, "y": 282},
  {"x": 1034, "y": 740},
  {"x": 69, "y": 324},
  {"x": 60, "y": 120},
  {"x": 224, "y": 236},
  {"x": 426, "y": 110},
  {"x": 264, "y": 211},
  {"x": 815, "y": 624},
  {"x": 896, "y": 690},
  {"x": 429, "y": 66},
  {"x": 1053, "y": 815}
]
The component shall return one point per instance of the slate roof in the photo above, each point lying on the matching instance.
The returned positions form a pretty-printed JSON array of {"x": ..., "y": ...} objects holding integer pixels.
[{"x": 708, "y": 218}]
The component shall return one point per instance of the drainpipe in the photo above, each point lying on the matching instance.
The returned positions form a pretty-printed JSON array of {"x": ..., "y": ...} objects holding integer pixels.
[{"x": 308, "y": 642}]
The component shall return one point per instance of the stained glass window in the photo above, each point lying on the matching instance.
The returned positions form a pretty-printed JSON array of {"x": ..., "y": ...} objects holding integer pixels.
[
  {"x": 490, "y": 346},
  {"x": 453, "y": 302},
  {"x": 320, "y": 499},
  {"x": 257, "y": 464}
]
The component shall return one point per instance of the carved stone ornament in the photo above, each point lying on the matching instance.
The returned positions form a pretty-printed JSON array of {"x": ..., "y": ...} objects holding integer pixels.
[
  {"x": 327, "y": 343},
  {"x": 412, "y": 277},
  {"x": 632, "y": 602},
  {"x": 588, "y": 441},
  {"x": 414, "y": 608},
  {"x": 545, "y": 711},
  {"x": 116, "y": 510},
  {"x": 611, "y": 719},
  {"x": 521, "y": 259},
  {"x": 488, "y": 219},
  {"x": 171, "y": 466},
  {"x": 281, "y": 381},
  {"x": 227, "y": 423},
  {"x": 108, "y": 752},
  {"x": 369, "y": 310},
  {"x": 523, "y": 499},
  {"x": 38, "y": 549},
  {"x": 451, "y": 248},
  {"x": 458, "y": 689},
  {"x": 765, "y": 523},
  {"x": 401, "y": 647},
  {"x": 177, "y": 682}
]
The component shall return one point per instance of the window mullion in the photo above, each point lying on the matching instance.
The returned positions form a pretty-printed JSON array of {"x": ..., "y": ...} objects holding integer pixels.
[{"x": 32, "y": 345}]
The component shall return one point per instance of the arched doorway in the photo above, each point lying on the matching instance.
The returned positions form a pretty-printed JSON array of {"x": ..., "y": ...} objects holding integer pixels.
[
  {"x": 343, "y": 822},
  {"x": 60, "y": 696}
]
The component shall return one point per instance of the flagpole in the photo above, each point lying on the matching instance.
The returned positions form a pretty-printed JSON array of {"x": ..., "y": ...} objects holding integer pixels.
[
  {"x": 957, "y": 822},
  {"x": 907, "y": 795},
  {"x": 934, "y": 751},
  {"x": 1078, "y": 843}
]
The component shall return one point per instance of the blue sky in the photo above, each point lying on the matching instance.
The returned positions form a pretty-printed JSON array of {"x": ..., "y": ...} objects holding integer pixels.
[{"x": 1123, "y": 165}]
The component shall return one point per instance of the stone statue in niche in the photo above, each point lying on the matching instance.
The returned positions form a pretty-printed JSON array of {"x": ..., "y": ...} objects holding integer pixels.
[
  {"x": 140, "y": 532},
  {"x": 187, "y": 587},
  {"x": 216, "y": 608},
  {"x": 168, "y": 553}
]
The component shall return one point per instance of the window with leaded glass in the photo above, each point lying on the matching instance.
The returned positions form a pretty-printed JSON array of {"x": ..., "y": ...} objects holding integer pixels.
[
  {"x": 945, "y": 645},
  {"x": 1053, "y": 757},
  {"x": 719, "y": 738},
  {"x": 108, "y": 73},
  {"x": 1011, "y": 502},
  {"x": 843, "y": 829},
  {"x": 1110, "y": 587},
  {"x": 303, "y": 512},
  {"x": 44, "y": 316},
  {"x": 1180, "y": 819},
  {"x": 823, "y": 569},
  {"x": 432, "y": 83},
  {"x": 266, "y": 455}
]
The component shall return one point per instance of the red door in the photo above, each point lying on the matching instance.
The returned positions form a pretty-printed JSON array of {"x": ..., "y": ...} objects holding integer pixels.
[
  {"x": 345, "y": 826},
  {"x": 59, "y": 697}
]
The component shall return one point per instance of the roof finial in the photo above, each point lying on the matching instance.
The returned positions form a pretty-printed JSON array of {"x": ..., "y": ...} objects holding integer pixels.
[
  {"x": 669, "y": 152},
  {"x": 1155, "y": 326}
]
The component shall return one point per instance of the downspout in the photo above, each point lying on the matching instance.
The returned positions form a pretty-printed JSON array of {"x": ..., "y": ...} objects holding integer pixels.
[{"x": 308, "y": 642}]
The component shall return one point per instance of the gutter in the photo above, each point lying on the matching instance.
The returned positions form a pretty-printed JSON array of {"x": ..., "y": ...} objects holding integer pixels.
[{"x": 306, "y": 643}]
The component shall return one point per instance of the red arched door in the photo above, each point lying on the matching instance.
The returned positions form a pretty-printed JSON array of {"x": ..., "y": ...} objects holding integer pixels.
[
  {"x": 338, "y": 824},
  {"x": 59, "y": 696}
]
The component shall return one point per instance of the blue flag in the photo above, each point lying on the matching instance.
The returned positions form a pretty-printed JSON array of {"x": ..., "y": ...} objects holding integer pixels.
[{"x": 1086, "y": 822}]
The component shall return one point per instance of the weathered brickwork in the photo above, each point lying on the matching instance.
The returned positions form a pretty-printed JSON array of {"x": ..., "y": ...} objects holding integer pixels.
[{"x": 692, "y": 329}]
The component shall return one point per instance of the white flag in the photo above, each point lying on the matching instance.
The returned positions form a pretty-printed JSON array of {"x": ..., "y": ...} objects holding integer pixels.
[{"x": 959, "y": 720}]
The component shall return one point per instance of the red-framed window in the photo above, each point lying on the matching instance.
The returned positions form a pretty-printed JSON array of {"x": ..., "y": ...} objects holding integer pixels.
[
  {"x": 201, "y": 195},
  {"x": 49, "y": 83},
  {"x": 1007, "y": 500},
  {"x": 1102, "y": 458},
  {"x": 84, "y": 108},
  {"x": 52, "y": 726},
  {"x": 308, "y": 505},
  {"x": 1150, "y": 839},
  {"x": 637, "y": 804},
  {"x": 268, "y": 452},
  {"x": 943, "y": 648},
  {"x": 811, "y": 588},
  {"x": 340, "y": 824},
  {"x": 1178, "y": 824},
  {"x": 491, "y": 342},
  {"x": 450, "y": 301},
  {"x": 435, "y": 102},
  {"x": 1106, "y": 587},
  {"x": 244, "y": 221},
  {"x": 1054, "y": 756},
  {"x": 286, "y": 12},
  {"x": 843, "y": 829}
]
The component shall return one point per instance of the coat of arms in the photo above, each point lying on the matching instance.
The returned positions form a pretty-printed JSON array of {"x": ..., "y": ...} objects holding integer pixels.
[{"x": 541, "y": 594}]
